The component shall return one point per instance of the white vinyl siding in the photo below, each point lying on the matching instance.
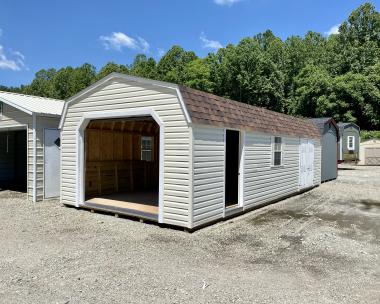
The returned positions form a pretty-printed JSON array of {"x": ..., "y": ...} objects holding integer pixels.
[
  {"x": 208, "y": 160},
  {"x": 118, "y": 96},
  {"x": 15, "y": 118},
  {"x": 263, "y": 182}
]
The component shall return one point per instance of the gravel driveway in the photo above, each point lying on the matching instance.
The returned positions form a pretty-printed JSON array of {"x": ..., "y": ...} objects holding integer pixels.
[{"x": 319, "y": 247}]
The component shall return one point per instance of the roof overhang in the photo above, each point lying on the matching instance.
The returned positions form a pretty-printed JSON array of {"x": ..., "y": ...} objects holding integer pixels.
[
  {"x": 9, "y": 103},
  {"x": 123, "y": 77}
]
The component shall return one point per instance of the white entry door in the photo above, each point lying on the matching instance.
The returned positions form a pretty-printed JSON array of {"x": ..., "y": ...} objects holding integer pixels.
[
  {"x": 306, "y": 163},
  {"x": 52, "y": 172}
]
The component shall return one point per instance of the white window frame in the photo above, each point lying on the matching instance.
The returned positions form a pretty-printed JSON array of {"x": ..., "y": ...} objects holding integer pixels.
[
  {"x": 273, "y": 145},
  {"x": 349, "y": 147},
  {"x": 148, "y": 138}
]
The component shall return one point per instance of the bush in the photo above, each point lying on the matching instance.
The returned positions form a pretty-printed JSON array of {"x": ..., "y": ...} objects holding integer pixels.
[{"x": 364, "y": 135}]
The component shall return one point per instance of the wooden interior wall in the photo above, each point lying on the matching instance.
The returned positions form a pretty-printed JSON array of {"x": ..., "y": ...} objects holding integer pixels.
[{"x": 113, "y": 157}]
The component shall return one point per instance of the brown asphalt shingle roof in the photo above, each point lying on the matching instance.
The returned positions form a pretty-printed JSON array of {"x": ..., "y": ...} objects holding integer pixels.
[{"x": 209, "y": 109}]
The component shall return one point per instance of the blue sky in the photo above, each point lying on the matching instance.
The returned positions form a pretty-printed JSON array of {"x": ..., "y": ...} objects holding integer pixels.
[{"x": 42, "y": 34}]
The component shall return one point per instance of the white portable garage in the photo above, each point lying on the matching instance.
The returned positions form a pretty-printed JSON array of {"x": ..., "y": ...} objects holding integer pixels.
[
  {"x": 30, "y": 144},
  {"x": 370, "y": 153},
  {"x": 179, "y": 156}
]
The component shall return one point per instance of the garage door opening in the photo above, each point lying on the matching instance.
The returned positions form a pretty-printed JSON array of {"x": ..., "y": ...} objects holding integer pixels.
[
  {"x": 122, "y": 166},
  {"x": 13, "y": 160}
]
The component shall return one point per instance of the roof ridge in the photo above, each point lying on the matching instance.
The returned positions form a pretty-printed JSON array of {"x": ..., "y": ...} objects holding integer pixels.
[{"x": 35, "y": 96}]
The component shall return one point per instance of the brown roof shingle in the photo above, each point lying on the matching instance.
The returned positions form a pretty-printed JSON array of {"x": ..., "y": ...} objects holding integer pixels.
[{"x": 209, "y": 109}]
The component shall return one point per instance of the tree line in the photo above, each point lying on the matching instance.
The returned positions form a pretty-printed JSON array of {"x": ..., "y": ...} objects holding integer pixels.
[{"x": 310, "y": 76}]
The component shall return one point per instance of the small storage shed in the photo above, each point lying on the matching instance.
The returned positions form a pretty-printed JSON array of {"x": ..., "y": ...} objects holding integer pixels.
[
  {"x": 329, "y": 131},
  {"x": 349, "y": 141},
  {"x": 179, "y": 156},
  {"x": 29, "y": 144},
  {"x": 370, "y": 152}
]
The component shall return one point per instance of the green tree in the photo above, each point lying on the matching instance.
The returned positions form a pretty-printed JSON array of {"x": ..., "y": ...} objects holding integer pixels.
[
  {"x": 311, "y": 91},
  {"x": 172, "y": 64},
  {"x": 144, "y": 67},
  {"x": 197, "y": 75},
  {"x": 112, "y": 67},
  {"x": 358, "y": 44},
  {"x": 42, "y": 84}
]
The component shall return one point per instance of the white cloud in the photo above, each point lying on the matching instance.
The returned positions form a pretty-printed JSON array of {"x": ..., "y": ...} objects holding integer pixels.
[
  {"x": 14, "y": 64},
  {"x": 226, "y": 2},
  {"x": 333, "y": 30},
  {"x": 19, "y": 55},
  {"x": 119, "y": 40},
  {"x": 209, "y": 44},
  {"x": 144, "y": 45}
]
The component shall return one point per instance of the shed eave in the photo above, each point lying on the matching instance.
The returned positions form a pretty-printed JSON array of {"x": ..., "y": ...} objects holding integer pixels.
[{"x": 16, "y": 106}]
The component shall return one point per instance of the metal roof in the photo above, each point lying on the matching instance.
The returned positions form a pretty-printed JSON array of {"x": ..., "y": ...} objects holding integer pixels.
[
  {"x": 33, "y": 104},
  {"x": 343, "y": 125}
]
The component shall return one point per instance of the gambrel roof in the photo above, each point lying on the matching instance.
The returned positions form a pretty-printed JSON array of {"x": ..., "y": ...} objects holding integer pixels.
[
  {"x": 343, "y": 125},
  {"x": 208, "y": 109},
  {"x": 32, "y": 104}
]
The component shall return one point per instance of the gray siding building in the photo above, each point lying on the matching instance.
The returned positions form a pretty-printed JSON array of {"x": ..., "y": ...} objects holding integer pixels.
[
  {"x": 329, "y": 131},
  {"x": 25, "y": 122},
  {"x": 179, "y": 156},
  {"x": 349, "y": 142}
]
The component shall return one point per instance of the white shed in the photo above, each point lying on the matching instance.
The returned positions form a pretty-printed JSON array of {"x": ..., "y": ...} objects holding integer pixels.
[
  {"x": 179, "y": 156},
  {"x": 29, "y": 144},
  {"x": 370, "y": 153}
]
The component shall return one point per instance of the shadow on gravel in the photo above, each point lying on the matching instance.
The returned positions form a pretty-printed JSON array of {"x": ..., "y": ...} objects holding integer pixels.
[
  {"x": 274, "y": 215},
  {"x": 368, "y": 204},
  {"x": 346, "y": 218}
]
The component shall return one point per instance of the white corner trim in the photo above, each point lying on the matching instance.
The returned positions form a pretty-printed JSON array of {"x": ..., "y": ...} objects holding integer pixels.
[
  {"x": 241, "y": 169},
  {"x": 80, "y": 160},
  {"x": 224, "y": 172},
  {"x": 34, "y": 126},
  {"x": 191, "y": 178},
  {"x": 187, "y": 116}
]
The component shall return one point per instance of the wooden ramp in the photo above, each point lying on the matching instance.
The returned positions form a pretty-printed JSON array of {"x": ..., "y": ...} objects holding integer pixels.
[{"x": 136, "y": 204}]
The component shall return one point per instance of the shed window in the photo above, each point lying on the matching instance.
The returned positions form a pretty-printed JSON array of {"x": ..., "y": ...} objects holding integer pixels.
[
  {"x": 146, "y": 148},
  {"x": 350, "y": 142},
  {"x": 1, "y": 109},
  {"x": 277, "y": 151}
]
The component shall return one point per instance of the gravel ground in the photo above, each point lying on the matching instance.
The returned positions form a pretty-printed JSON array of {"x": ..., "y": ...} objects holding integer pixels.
[{"x": 320, "y": 247}]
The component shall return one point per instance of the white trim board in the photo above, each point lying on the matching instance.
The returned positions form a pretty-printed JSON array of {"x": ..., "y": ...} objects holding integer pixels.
[{"x": 80, "y": 153}]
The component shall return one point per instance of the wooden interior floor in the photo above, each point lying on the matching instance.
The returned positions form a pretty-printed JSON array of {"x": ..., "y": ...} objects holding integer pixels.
[{"x": 139, "y": 201}]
